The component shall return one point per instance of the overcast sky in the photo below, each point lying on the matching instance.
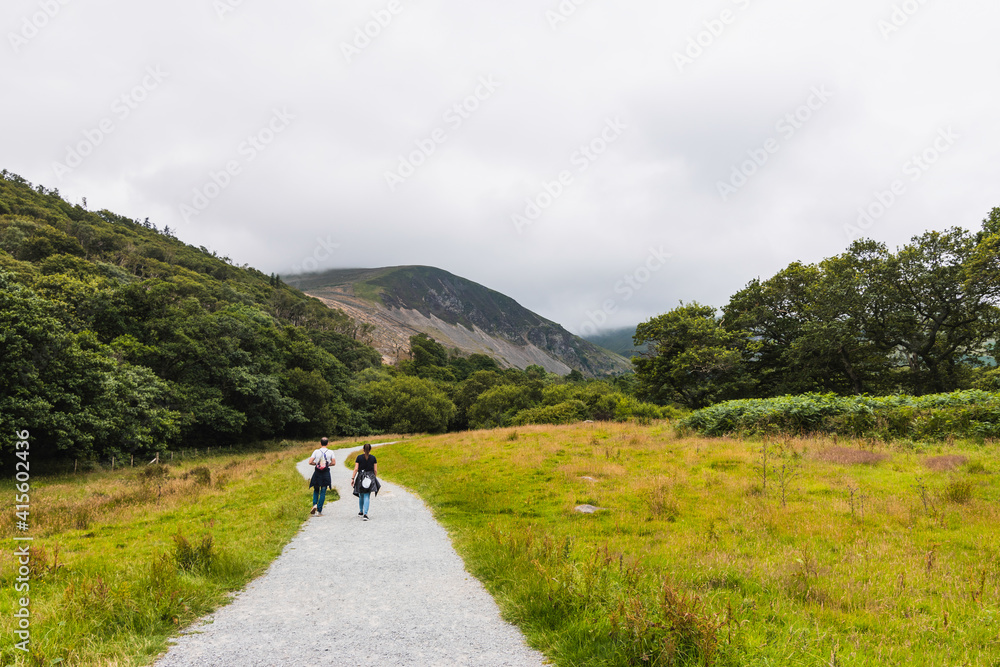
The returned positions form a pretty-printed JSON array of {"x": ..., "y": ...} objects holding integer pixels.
[{"x": 597, "y": 161}]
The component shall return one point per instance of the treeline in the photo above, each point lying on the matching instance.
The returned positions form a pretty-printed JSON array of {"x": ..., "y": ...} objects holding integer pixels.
[
  {"x": 438, "y": 391},
  {"x": 921, "y": 320}
]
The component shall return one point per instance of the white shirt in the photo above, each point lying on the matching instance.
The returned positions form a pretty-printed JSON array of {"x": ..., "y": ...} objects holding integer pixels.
[{"x": 323, "y": 454}]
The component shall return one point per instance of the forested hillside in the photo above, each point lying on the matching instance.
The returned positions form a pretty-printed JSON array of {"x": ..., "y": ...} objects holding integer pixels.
[{"x": 116, "y": 338}]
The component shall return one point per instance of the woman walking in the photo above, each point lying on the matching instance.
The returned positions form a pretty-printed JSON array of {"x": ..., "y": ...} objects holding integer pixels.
[
  {"x": 365, "y": 480},
  {"x": 322, "y": 458}
]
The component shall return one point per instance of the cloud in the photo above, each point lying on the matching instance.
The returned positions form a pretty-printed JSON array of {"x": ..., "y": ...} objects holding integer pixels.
[{"x": 370, "y": 83}]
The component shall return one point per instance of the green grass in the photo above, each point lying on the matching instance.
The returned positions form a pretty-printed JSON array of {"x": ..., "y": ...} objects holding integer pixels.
[
  {"x": 122, "y": 561},
  {"x": 872, "y": 554}
]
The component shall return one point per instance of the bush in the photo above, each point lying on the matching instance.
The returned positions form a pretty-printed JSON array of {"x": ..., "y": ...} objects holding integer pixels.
[
  {"x": 958, "y": 491},
  {"x": 202, "y": 475},
  {"x": 193, "y": 558},
  {"x": 567, "y": 412},
  {"x": 971, "y": 414}
]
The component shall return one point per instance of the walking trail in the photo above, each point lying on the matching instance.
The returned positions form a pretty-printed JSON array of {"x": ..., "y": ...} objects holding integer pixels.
[{"x": 389, "y": 591}]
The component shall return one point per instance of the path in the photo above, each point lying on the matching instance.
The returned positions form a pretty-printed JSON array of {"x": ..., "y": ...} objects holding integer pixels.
[{"x": 390, "y": 591}]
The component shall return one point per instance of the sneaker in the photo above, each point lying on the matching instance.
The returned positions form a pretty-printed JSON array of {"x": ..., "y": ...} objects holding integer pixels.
[
  {"x": 313, "y": 510},
  {"x": 319, "y": 514},
  {"x": 361, "y": 513},
  {"x": 366, "y": 517}
]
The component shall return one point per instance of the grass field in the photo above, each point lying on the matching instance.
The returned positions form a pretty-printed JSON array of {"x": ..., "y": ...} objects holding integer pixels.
[
  {"x": 723, "y": 551},
  {"x": 123, "y": 560}
]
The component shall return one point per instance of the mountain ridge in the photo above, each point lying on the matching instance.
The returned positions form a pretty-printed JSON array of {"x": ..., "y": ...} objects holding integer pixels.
[{"x": 400, "y": 301}]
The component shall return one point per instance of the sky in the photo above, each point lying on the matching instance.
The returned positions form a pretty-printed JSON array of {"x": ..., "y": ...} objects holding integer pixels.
[{"x": 600, "y": 162}]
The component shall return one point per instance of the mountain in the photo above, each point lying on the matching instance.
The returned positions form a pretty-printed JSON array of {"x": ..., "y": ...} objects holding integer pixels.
[
  {"x": 618, "y": 341},
  {"x": 401, "y": 301}
]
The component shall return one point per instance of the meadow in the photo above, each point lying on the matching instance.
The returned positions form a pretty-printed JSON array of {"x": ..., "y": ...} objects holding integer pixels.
[
  {"x": 122, "y": 560},
  {"x": 723, "y": 551}
]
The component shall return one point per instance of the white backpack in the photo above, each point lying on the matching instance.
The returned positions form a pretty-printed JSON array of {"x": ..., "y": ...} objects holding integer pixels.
[{"x": 324, "y": 459}]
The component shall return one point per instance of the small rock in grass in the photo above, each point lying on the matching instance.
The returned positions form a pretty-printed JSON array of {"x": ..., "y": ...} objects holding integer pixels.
[{"x": 588, "y": 509}]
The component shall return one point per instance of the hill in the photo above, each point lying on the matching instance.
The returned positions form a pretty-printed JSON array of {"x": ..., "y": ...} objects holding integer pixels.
[
  {"x": 618, "y": 341},
  {"x": 117, "y": 338},
  {"x": 405, "y": 300}
]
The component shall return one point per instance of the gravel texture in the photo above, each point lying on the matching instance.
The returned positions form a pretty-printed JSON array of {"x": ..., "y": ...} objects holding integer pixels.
[{"x": 388, "y": 591}]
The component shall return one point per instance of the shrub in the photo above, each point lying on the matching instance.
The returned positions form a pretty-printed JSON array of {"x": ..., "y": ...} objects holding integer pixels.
[
  {"x": 630, "y": 407},
  {"x": 202, "y": 475},
  {"x": 193, "y": 558},
  {"x": 971, "y": 414},
  {"x": 567, "y": 412},
  {"x": 154, "y": 472},
  {"x": 958, "y": 491}
]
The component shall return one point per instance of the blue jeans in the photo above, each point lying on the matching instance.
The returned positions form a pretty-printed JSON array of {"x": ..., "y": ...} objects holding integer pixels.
[
  {"x": 319, "y": 497},
  {"x": 364, "y": 500}
]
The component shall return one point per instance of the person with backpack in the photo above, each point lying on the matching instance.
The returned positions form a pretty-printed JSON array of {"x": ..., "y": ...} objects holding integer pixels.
[
  {"x": 322, "y": 459},
  {"x": 365, "y": 480}
]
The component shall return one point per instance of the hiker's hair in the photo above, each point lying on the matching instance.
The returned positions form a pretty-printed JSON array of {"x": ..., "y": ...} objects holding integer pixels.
[
  {"x": 324, "y": 441},
  {"x": 367, "y": 449}
]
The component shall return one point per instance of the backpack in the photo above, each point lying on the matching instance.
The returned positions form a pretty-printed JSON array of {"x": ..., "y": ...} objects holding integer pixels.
[{"x": 325, "y": 461}]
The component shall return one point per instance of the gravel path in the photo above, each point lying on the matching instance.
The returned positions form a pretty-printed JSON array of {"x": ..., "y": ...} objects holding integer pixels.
[{"x": 389, "y": 591}]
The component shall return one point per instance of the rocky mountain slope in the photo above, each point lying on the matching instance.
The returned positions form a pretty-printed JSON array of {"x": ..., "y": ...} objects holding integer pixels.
[{"x": 401, "y": 301}]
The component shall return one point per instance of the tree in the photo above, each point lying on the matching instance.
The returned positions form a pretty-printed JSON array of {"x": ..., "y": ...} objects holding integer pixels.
[
  {"x": 945, "y": 308},
  {"x": 691, "y": 358},
  {"x": 498, "y": 405},
  {"x": 408, "y": 404},
  {"x": 806, "y": 322}
]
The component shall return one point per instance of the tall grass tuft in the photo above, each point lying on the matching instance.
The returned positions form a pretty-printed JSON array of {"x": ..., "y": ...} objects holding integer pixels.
[{"x": 193, "y": 558}]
